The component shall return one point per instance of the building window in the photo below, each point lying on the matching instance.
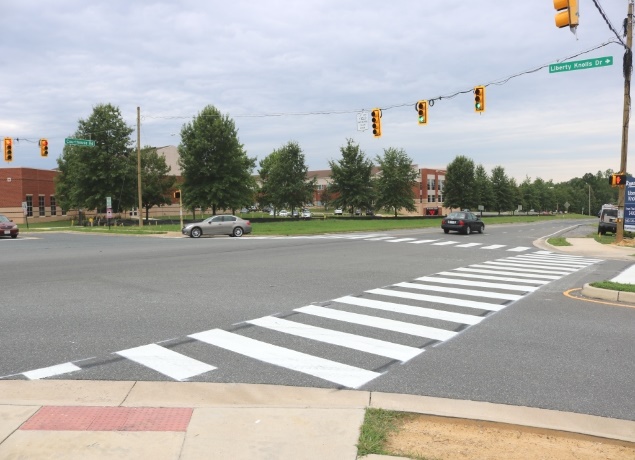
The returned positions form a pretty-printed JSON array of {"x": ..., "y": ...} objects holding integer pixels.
[
  {"x": 53, "y": 206},
  {"x": 440, "y": 198},
  {"x": 431, "y": 198},
  {"x": 29, "y": 205},
  {"x": 42, "y": 209},
  {"x": 430, "y": 184},
  {"x": 441, "y": 185}
]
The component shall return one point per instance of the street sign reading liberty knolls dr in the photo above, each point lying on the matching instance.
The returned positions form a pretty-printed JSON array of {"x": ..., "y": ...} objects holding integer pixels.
[
  {"x": 84, "y": 142},
  {"x": 578, "y": 65}
]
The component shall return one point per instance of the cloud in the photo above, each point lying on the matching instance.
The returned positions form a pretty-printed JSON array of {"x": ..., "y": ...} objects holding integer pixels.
[{"x": 301, "y": 71}]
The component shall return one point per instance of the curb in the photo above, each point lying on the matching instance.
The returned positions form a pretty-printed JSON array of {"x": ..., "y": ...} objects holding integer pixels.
[{"x": 607, "y": 294}]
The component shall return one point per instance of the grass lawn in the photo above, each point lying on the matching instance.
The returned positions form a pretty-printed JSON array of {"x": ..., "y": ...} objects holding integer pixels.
[{"x": 286, "y": 226}]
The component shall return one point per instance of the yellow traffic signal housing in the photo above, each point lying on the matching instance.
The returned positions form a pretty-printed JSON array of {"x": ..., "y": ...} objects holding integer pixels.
[
  {"x": 617, "y": 180},
  {"x": 422, "y": 110},
  {"x": 8, "y": 149},
  {"x": 479, "y": 99},
  {"x": 375, "y": 117},
  {"x": 568, "y": 13},
  {"x": 44, "y": 147},
  {"x": 177, "y": 194}
]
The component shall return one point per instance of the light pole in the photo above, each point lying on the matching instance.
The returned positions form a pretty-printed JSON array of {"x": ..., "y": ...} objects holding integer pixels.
[{"x": 589, "y": 199}]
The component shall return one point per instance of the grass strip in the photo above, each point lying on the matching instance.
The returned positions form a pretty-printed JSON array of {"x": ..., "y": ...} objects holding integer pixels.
[
  {"x": 558, "y": 241},
  {"x": 376, "y": 429},
  {"x": 613, "y": 286}
]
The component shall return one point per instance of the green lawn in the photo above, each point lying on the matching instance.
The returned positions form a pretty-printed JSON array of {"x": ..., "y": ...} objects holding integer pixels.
[{"x": 286, "y": 226}]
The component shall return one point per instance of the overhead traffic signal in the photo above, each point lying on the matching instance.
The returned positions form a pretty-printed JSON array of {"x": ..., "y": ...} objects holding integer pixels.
[
  {"x": 422, "y": 109},
  {"x": 617, "y": 180},
  {"x": 44, "y": 147},
  {"x": 8, "y": 149},
  {"x": 177, "y": 194},
  {"x": 479, "y": 99},
  {"x": 568, "y": 13},
  {"x": 375, "y": 117}
]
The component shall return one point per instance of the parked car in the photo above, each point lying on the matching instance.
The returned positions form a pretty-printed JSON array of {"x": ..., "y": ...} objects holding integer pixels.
[
  {"x": 462, "y": 222},
  {"x": 306, "y": 214},
  {"x": 338, "y": 212},
  {"x": 608, "y": 217},
  {"x": 283, "y": 213},
  {"x": 218, "y": 225},
  {"x": 370, "y": 212},
  {"x": 7, "y": 227}
]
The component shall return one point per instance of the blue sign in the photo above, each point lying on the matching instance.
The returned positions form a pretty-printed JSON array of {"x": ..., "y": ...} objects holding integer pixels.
[{"x": 629, "y": 205}]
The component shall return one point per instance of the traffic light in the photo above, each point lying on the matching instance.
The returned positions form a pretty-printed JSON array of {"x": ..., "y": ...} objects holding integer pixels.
[
  {"x": 375, "y": 116},
  {"x": 422, "y": 109},
  {"x": 44, "y": 147},
  {"x": 479, "y": 99},
  {"x": 8, "y": 149},
  {"x": 177, "y": 194},
  {"x": 617, "y": 180},
  {"x": 568, "y": 13}
]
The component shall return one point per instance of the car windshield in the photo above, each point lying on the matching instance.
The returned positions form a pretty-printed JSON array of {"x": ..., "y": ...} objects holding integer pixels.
[
  {"x": 457, "y": 215},
  {"x": 4, "y": 219}
]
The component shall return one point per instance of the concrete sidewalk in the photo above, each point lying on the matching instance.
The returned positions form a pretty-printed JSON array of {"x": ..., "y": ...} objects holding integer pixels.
[
  {"x": 48, "y": 419},
  {"x": 79, "y": 419}
]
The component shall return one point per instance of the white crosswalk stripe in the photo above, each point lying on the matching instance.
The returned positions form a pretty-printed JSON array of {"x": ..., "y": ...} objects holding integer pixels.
[
  {"x": 424, "y": 319},
  {"x": 332, "y": 371}
]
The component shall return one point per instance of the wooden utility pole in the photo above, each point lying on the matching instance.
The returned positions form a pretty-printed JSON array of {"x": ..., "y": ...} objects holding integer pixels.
[
  {"x": 625, "y": 120},
  {"x": 139, "y": 166}
]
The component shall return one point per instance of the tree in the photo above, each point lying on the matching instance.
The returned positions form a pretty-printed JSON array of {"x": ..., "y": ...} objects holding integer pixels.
[
  {"x": 283, "y": 175},
  {"x": 483, "y": 193},
  {"x": 351, "y": 178},
  {"x": 155, "y": 179},
  {"x": 504, "y": 195},
  {"x": 215, "y": 168},
  {"x": 326, "y": 196},
  {"x": 87, "y": 175},
  {"x": 459, "y": 183},
  {"x": 395, "y": 182}
]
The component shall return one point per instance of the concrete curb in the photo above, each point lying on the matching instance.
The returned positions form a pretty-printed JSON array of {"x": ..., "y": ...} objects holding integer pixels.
[{"x": 608, "y": 294}]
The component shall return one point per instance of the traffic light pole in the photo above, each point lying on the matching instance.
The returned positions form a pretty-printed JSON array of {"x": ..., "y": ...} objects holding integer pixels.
[{"x": 626, "y": 117}]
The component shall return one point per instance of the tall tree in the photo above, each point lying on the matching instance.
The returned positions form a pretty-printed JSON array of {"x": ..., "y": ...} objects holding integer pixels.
[
  {"x": 351, "y": 178},
  {"x": 483, "y": 194},
  {"x": 396, "y": 180},
  {"x": 504, "y": 195},
  {"x": 283, "y": 175},
  {"x": 90, "y": 174},
  {"x": 459, "y": 183},
  {"x": 215, "y": 167},
  {"x": 155, "y": 179}
]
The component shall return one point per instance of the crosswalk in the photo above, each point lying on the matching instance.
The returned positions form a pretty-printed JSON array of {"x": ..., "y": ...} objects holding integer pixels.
[
  {"x": 398, "y": 323},
  {"x": 394, "y": 239}
]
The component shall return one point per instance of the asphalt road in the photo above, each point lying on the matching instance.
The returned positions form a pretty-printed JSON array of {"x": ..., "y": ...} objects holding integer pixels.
[{"x": 233, "y": 310}]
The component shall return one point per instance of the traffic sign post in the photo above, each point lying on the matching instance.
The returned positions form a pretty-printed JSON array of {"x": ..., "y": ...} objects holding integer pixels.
[
  {"x": 82, "y": 142},
  {"x": 579, "y": 65}
]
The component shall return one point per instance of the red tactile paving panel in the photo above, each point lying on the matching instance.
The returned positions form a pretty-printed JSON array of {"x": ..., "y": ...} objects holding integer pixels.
[{"x": 74, "y": 418}]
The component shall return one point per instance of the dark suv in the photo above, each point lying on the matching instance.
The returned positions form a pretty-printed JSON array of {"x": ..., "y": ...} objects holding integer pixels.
[{"x": 608, "y": 217}]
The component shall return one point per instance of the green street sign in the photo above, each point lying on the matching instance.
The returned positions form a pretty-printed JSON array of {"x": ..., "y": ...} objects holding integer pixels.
[
  {"x": 578, "y": 65},
  {"x": 84, "y": 142}
]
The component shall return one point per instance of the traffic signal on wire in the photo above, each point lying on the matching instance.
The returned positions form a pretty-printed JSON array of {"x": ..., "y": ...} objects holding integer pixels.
[
  {"x": 8, "y": 149},
  {"x": 44, "y": 147},
  {"x": 568, "y": 13},
  {"x": 617, "y": 180},
  {"x": 422, "y": 110},
  {"x": 375, "y": 118},
  {"x": 479, "y": 99}
]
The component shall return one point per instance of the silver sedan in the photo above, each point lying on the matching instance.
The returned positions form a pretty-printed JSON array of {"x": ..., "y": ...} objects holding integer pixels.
[{"x": 218, "y": 225}]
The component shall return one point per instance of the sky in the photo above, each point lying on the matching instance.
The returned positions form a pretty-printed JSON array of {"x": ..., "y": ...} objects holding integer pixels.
[{"x": 303, "y": 71}]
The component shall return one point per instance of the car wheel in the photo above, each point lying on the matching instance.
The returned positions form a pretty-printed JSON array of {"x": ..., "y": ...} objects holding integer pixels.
[
  {"x": 14, "y": 236},
  {"x": 468, "y": 229},
  {"x": 196, "y": 232},
  {"x": 481, "y": 229},
  {"x": 238, "y": 232},
  {"x": 445, "y": 230}
]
